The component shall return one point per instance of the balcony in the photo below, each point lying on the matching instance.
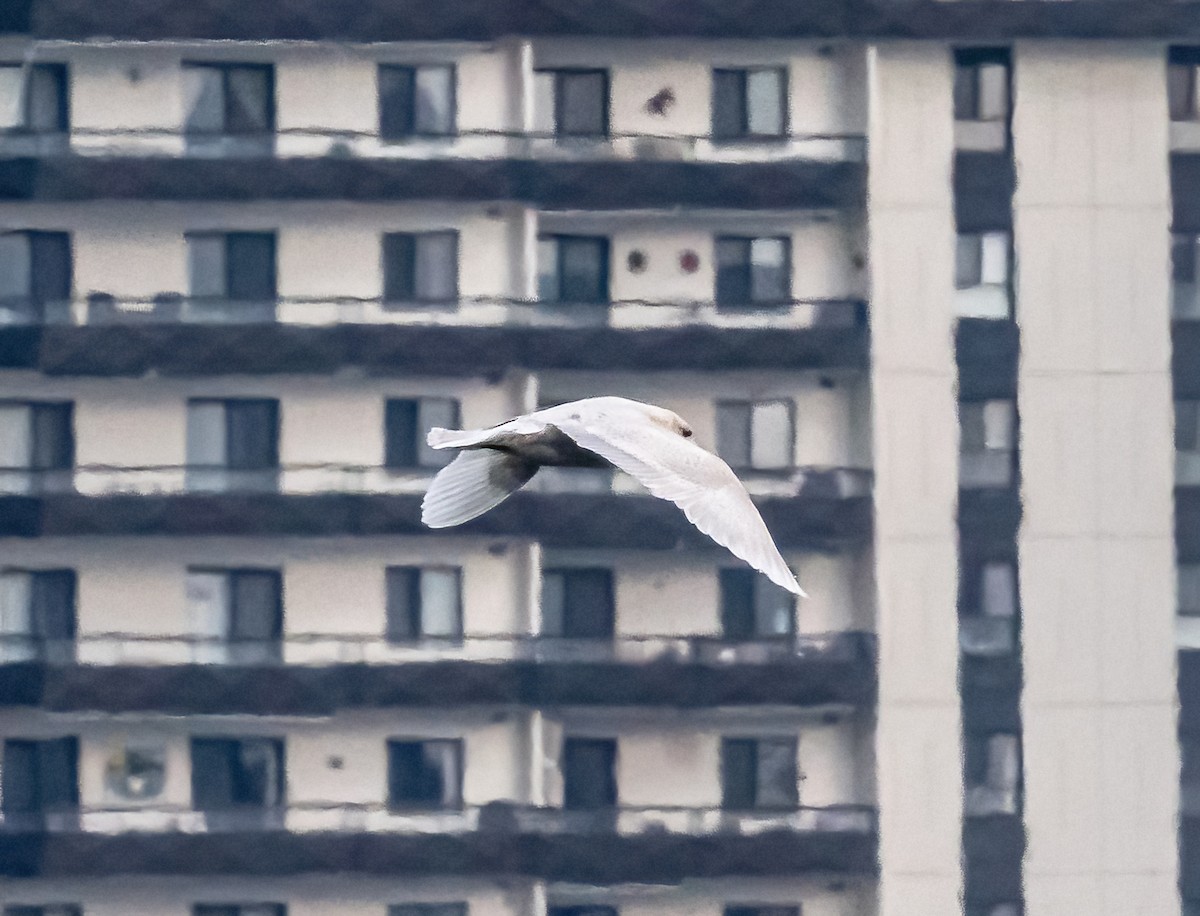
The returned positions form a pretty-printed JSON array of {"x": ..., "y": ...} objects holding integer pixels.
[
  {"x": 500, "y": 839},
  {"x": 321, "y": 673},
  {"x": 808, "y": 508},
  {"x": 107, "y": 336}
]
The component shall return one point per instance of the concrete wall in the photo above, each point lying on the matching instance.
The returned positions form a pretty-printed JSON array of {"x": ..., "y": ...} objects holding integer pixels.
[
  {"x": 911, "y": 231},
  {"x": 1092, "y": 212}
]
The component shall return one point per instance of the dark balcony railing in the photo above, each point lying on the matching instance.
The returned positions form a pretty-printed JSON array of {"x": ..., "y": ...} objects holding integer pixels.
[{"x": 319, "y": 673}]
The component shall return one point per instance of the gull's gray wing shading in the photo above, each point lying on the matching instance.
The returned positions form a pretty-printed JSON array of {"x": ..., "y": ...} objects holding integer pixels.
[{"x": 674, "y": 468}]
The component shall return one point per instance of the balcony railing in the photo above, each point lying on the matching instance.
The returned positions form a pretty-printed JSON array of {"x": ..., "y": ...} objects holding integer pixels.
[
  {"x": 323, "y": 649},
  {"x": 318, "y": 142},
  {"x": 102, "y": 310},
  {"x": 322, "y": 478},
  {"x": 497, "y": 817}
]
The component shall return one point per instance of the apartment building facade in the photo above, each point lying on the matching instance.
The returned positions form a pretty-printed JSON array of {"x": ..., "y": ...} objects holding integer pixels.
[{"x": 247, "y": 257}]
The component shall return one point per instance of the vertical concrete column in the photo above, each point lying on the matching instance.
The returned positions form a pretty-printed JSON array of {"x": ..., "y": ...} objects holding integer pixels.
[
  {"x": 1091, "y": 212},
  {"x": 915, "y": 433}
]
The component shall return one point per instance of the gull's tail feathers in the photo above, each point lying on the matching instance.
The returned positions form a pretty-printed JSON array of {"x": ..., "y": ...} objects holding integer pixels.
[{"x": 472, "y": 483}]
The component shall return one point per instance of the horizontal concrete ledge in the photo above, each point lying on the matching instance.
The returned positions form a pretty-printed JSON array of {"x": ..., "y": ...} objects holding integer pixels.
[
  {"x": 383, "y": 350},
  {"x": 320, "y": 690},
  {"x": 482, "y": 20},
  {"x": 592, "y": 859},
  {"x": 603, "y": 185},
  {"x": 556, "y": 520}
]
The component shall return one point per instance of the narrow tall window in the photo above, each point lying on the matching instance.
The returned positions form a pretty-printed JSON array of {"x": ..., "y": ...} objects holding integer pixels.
[
  {"x": 37, "y": 614},
  {"x": 427, "y": 909},
  {"x": 573, "y": 269},
  {"x": 1188, "y": 590},
  {"x": 982, "y": 278},
  {"x": 578, "y": 603},
  {"x": 589, "y": 769},
  {"x": 54, "y": 909},
  {"x": 416, "y": 101},
  {"x": 756, "y": 435},
  {"x": 232, "y": 267},
  {"x": 229, "y": 100},
  {"x": 233, "y": 443},
  {"x": 33, "y": 98},
  {"x": 35, "y": 272},
  {"x": 239, "y": 909},
  {"x": 987, "y": 608},
  {"x": 981, "y": 80},
  {"x": 1182, "y": 65},
  {"x": 39, "y": 778},
  {"x": 749, "y": 104},
  {"x": 1185, "y": 278},
  {"x": 1187, "y": 443},
  {"x": 237, "y": 775},
  {"x": 773, "y": 910},
  {"x": 37, "y": 446},
  {"x": 424, "y": 602},
  {"x": 753, "y": 271},
  {"x": 753, "y": 607},
  {"x": 407, "y": 422},
  {"x": 425, "y": 774},
  {"x": 420, "y": 267},
  {"x": 987, "y": 444},
  {"x": 992, "y": 774},
  {"x": 237, "y": 614},
  {"x": 759, "y": 773},
  {"x": 571, "y": 103}
]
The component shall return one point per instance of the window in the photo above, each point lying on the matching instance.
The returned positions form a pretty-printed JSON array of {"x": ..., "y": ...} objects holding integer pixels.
[
  {"x": 37, "y": 613},
  {"x": 987, "y": 444},
  {"x": 407, "y": 421},
  {"x": 39, "y": 777},
  {"x": 424, "y": 602},
  {"x": 589, "y": 767},
  {"x": 33, "y": 98},
  {"x": 759, "y": 773},
  {"x": 756, "y": 435},
  {"x": 420, "y": 267},
  {"x": 744, "y": 910},
  {"x": 753, "y": 607},
  {"x": 573, "y": 269},
  {"x": 236, "y": 613},
  {"x": 416, "y": 101},
  {"x": 982, "y": 273},
  {"x": 987, "y": 608},
  {"x": 58, "y": 909},
  {"x": 992, "y": 774},
  {"x": 232, "y": 443},
  {"x": 1185, "y": 303},
  {"x": 582, "y": 909},
  {"x": 1189, "y": 776},
  {"x": 239, "y": 909},
  {"x": 1182, "y": 64},
  {"x": 425, "y": 774},
  {"x": 571, "y": 103},
  {"x": 237, "y": 774},
  {"x": 578, "y": 603},
  {"x": 981, "y": 85},
  {"x": 232, "y": 266},
  {"x": 1187, "y": 443},
  {"x": 35, "y": 270},
  {"x": 427, "y": 909},
  {"x": 36, "y": 439},
  {"x": 1189, "y": 588},
  {"x": 229, "y": 99},
  {"x": 749, "y": 104},
  {"x": 753, "y": 271}
]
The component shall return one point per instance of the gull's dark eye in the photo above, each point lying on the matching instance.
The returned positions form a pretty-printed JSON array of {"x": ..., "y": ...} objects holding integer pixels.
[{"x": 687, "y": 432}]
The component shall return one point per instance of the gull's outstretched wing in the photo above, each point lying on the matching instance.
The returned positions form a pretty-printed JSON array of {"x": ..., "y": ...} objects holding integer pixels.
[{"x": 674, "y": 468}]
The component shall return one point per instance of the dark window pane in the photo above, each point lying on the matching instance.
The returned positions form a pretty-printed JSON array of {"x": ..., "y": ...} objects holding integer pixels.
[
  {"x": 1187, "y": 426},
  {"x": 737, "y": 603},
  {"x": 207, "y": 272},
  {"x": 52, "y": 603},
  {"x": 403, "y": 603},
  {"x": 50, "y": 266},
  {"x": 244, "y": 909},
  {"x": 1181, "y": 91},
  {"x": 582, "y": 104},
  {"x": 46, "y": 98},
  {"x": 249, "y": 100},
  {"x": 212, "y": 773},
  {"x": 587, "y": 909},
  {"x": 16, "y": 268},
  {"x": 554, "y": 596},
  {"x": 588, "y": 611},
  {"x": 256, "y": 611},
  {"x": 733, "y": 434},
  {"x": 774, "y": 608},
  {"x": 436, "y": 267},
  {"x": 252, "y": 434},
  {"x": 425, "y": 774},
  {"x": 53, "y": 437},
  {"x": 729, "y": 104},
  {"x": 19, "y": 778},
  {"x": 396, "y": 109},
  {"x": 733, "y": 271},
  {"x": 428, "y": 909},
  {"x": 57, "y": 909},
  {"x": 1183, "y": 258},
  {"x": 434, "y": 101},
  {"x": 966, "y": 92},
  {"x": 58, "y": 762},
  {"x": 762, "y": 911},
  {"x": 250, "y": 265},
  {"x": 204, "y": 87},
  {"x": 399, "y": 267},
  {"x": 257, "y": 772},
  {"x": 400, "y": 433},
  {"x": 777, "y": 777},
  {"x": 583, "y": 269},
  {"x": 968, "y": 263},
  {"x": 589, "y": 773},
  {"x": 739, "y": 768}
]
